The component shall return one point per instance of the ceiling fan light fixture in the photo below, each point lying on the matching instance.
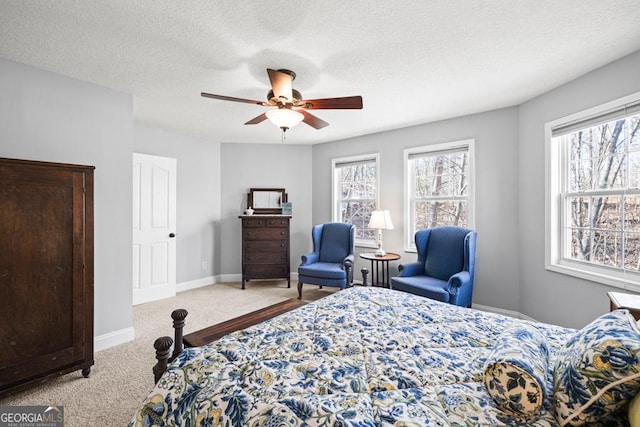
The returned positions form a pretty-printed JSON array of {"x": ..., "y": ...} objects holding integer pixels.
[{"x": 284, "y": 118}]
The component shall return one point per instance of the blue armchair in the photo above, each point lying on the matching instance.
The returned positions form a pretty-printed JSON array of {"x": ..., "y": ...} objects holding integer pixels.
[
  {"x": 331, "y": 262},
  {"x": 445, "y": 267}
]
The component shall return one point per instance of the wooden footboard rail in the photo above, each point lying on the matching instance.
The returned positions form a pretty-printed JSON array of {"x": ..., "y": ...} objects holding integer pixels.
[{"x": 212, "y": 333}]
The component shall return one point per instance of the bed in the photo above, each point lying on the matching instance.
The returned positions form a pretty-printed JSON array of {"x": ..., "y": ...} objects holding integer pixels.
[{"x": 370, "y": 356}]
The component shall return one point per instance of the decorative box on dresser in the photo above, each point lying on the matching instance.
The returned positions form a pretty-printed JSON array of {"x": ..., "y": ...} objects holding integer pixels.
[
  {"x": 265, "y": 247},
  {"x": 46, "y": 271}
]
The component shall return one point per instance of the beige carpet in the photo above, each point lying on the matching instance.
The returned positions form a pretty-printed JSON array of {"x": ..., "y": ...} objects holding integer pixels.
[{"x": 122, "y": 376}]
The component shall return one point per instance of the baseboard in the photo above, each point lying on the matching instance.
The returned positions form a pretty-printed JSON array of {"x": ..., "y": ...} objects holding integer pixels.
[
  {"x": 226, "y": 278},
  {"x": 112, "y": 339},
  {"x": 122, "y": 336},
  {"x": 502, "y": 311},
  {"x": 198, "y": 283}
]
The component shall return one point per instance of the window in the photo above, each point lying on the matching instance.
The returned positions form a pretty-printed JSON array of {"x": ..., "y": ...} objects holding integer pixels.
[
  {"x": 593, "y": 222},
  {"x": 439, "y": 187},
  {"x": 355, "y": 194}
]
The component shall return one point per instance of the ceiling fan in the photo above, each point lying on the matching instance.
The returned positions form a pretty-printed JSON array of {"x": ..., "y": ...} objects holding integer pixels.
[{"x": 291, "y": 108}]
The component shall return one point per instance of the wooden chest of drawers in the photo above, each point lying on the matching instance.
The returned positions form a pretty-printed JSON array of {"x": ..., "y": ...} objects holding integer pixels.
[{"x": 265, "y": 247}]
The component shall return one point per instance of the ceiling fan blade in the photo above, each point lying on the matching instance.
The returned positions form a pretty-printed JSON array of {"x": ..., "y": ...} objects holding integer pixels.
[
  {"x": 281, "y": 84},
  {"x": 231, "y": 98},
  {"x": 259, "y": 119},
  {"x": 313, "y": 121},
  {"x": 343, "y": 103}
]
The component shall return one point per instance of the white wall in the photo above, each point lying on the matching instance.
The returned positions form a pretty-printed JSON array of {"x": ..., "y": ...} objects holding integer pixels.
[
  {"x": 247, "y": 166},
  {"x": 496, "y": 138},
  {"x": 198, "y": 207},
  {"x": 53, "y": 118},
  {"x": 48, "y": 117},
  {"x": 545, "y": 295}
]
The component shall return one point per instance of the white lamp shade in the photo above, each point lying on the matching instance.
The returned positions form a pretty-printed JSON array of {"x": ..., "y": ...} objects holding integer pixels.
[
  {"x": 284, "y": 117},
  {"x": 381, "y": 220}
]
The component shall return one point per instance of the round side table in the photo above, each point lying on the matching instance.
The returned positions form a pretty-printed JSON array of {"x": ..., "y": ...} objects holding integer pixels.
[{"x": 380, "y": 261}]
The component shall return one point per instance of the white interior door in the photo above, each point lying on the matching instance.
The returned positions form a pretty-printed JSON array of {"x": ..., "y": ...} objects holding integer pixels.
[{"x": 154, "y": 227}]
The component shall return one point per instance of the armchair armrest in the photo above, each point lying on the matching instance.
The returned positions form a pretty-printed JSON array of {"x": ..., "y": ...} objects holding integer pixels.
[
  {"x": 309, "y": 258},
  {"x": 458, "y": 280},
  {"x": 348, "y": 267},
  {"x": 348, "y": 260},
  {"x": 411, "y": 269}
]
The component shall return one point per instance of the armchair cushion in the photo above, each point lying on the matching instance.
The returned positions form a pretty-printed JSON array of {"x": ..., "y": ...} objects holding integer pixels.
[
  {"x": 326, "y": 270},
  {"x": 424, "y": 286}
]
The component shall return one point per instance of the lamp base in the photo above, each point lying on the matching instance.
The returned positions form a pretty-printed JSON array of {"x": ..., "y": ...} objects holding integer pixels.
[{"x": 380, "y": 252}]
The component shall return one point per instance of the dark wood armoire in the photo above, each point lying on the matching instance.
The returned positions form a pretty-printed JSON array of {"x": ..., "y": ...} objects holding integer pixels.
[{"x": 46, "y": 271}]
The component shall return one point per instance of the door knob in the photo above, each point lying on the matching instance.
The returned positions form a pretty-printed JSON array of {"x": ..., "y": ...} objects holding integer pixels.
[{"x": 172, "y": 235}]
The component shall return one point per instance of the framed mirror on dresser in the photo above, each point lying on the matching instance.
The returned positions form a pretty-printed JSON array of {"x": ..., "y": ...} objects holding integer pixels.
[{"x": 266, "y": 200}]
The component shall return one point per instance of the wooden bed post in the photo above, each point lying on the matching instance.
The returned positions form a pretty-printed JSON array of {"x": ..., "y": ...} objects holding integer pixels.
[
  {"x": 178, "y": 317},
  {"x": 162, "y": 346}
]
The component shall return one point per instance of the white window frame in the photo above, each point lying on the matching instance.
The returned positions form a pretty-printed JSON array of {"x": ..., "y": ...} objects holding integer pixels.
[
  {"x": 469, "y": 145},
  {"x": 554, "y": 173},
  {"x": 335, "y": 191}
]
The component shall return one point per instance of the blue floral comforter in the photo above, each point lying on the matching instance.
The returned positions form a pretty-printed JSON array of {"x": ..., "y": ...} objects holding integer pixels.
[{"x": 360, "y": 357}]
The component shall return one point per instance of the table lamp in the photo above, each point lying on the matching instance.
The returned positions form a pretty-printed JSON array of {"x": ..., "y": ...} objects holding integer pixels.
[{"x": 382, "y": 221}]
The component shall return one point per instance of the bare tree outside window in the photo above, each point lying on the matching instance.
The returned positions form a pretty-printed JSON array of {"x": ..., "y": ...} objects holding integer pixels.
[
  {"x": 602, "y": 194},
  {"x": 440, "y": 188},
  {"x": 356, "y": 185}
]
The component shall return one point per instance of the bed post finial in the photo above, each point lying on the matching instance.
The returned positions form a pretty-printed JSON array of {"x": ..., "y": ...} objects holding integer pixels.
[
  {"x": 178, "y": 317},
  {"x": 162, "y": 346}
]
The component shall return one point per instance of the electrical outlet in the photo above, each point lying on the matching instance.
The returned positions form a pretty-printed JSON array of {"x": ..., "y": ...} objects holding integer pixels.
[{"x": 204, "y": 265}]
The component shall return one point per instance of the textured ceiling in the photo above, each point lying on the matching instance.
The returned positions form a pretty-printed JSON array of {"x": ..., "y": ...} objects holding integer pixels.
[{"x": 412, "y": 61}]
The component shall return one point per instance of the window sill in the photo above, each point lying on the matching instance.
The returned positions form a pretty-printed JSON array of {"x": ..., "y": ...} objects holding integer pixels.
[
  {"x": 365, "y": 244},
  {"x": 602, "y": 275}
]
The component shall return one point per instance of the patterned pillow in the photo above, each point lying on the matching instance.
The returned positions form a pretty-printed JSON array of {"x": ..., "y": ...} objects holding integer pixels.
[
  {"x": 515, "y": 371},
  {"x": 598, "y": 370}
]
